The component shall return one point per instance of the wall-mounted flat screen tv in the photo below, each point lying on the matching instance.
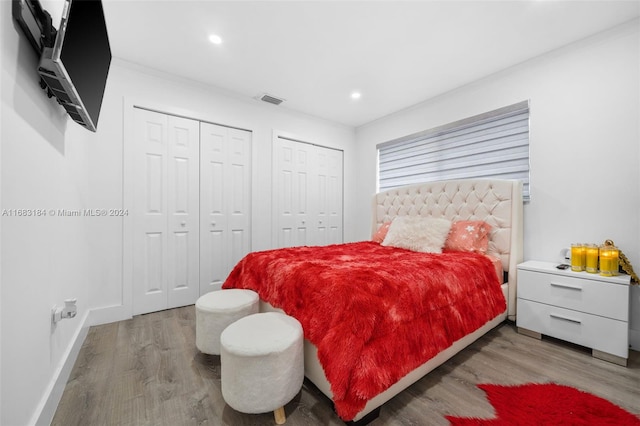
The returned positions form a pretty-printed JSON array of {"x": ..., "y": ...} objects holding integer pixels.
[{"x": 75, "y": 69}]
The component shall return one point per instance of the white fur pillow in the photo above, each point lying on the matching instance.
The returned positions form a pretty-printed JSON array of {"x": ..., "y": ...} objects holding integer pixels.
[{"x": 423, "y": 234}]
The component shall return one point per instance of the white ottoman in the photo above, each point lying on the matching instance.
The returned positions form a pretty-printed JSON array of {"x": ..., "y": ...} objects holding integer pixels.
[
  {"x": 262, "y": 365},
  {"x": 216, "y": 310}
]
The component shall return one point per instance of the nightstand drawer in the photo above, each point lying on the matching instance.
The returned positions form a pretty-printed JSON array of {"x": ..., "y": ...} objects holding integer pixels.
[
  {"x": 581, "y": 294},
  {"x": 603, "y": 334}
]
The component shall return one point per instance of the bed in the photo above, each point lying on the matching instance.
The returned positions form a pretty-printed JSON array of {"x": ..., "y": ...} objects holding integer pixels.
[{"x": 497, "y": 203}]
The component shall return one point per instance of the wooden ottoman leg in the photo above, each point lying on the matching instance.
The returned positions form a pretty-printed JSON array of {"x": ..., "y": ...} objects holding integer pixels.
[{"x": 280, "y": 416}]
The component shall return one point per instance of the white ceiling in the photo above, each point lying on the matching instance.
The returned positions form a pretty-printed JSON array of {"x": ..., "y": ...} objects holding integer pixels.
[{"x": 314, "y": 54}]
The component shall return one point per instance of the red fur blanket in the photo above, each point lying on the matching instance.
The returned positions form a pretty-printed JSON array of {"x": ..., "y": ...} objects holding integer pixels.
[{"x": 374, "y": 313}]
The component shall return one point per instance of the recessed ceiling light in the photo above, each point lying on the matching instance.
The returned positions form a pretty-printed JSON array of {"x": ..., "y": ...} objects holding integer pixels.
[
  {"x": 356, "y": 95},
  {"x": 215, "y": 39}
]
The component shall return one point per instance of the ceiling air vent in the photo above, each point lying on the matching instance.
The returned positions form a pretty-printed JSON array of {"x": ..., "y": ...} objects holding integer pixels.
[{"x": 270, "y": 99}]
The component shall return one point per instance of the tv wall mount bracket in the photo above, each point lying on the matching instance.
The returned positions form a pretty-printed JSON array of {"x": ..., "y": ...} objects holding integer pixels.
[{"x": 37, "y": 25}]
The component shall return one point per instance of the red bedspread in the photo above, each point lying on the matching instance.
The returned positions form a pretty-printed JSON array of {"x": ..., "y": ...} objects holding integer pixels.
[{"x": 375, "y": 313}]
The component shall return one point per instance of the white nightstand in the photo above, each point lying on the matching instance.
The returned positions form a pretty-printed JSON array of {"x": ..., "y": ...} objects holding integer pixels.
[{"x": 586, "y": 309}]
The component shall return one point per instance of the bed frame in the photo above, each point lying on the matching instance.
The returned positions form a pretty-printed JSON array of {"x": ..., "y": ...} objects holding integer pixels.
[{"x": 497, "y": 202}]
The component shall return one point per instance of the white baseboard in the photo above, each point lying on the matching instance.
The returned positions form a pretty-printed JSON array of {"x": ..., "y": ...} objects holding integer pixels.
[
  {"x": 49, "y": 404},
  {"x": 108, "y": 314},
  {"x": 47, "y": 407}
]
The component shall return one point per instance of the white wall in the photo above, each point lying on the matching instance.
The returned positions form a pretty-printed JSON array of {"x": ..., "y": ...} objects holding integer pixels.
[
  {"x": 44, "y": 259},
  {"x": 49, "y": 162},
  {"x": 584, "y": 149}
]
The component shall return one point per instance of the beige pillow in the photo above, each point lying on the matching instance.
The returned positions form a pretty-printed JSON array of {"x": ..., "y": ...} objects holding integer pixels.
[{"x": 423, "y": 234}]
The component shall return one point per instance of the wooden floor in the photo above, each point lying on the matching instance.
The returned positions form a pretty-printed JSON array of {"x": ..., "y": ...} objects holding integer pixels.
[{"x": 147, "y": 371}]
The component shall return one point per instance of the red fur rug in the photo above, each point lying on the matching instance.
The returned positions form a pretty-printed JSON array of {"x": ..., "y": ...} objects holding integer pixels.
[
  {"x": 548, "y": 404},
  {"x": 374, "y": 313}
]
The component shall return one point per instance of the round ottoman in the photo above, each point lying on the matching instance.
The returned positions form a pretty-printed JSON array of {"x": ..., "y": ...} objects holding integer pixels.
[
  {"x": 262, "y": 365},
  {"x": 216, "y": 310}
]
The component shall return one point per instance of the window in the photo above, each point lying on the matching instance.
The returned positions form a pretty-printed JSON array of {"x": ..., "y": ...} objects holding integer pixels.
[{"x": 490, "y": 145}]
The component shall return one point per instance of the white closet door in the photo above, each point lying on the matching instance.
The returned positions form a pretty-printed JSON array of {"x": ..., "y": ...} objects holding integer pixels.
[
  {"x": 239, "y": 193},
  {"x": 328, "y": 214},
  {"x": 183, "y": 208},
  {"x": 150, "y": 212},
  {"x": 307, "y": 194},
  {"x": 283, "y": 198},
  {"x": 165, "y": 211},
  {"x": 292, "y": 185},
  {"x": 225, "y": 202}
]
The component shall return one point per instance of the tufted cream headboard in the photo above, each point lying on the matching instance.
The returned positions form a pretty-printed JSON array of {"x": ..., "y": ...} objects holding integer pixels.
[{"x": 497, "y": 202}]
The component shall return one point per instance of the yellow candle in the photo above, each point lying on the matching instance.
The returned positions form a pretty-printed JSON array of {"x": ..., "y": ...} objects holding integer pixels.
[
  {"x": 591, "y": 260},
  {"x": 608, "y": 261},
  {"x": 577, "y": 257}
]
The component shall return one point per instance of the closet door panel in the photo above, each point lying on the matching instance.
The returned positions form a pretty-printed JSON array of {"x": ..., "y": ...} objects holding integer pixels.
[
  {"x": 292, "y": 186},
  {"x": 214, "y": 259},
  {"x": 213, "y": 164},
  {"x": 183, "y": 204},
  {"x": 179, "y": 276},
  {"x": 240, "y": 195},
  {"x": 239, "y": 246},
  {"x": 213, "y": 265},
  {"x": 284, "y": 193},
  {"x": 225, "y": 210},
  {"x": 334, "y": 197},
  {"x": 153, "y": 190},
  {"x": 152, "y": 264},
  {"x": 302, "y": 187},
  {"x": 239, "y": 191},
  {"x": 320, "y": 220},
  {"x": 150, "y": 270},
  {"x": 165, "y": 211}
]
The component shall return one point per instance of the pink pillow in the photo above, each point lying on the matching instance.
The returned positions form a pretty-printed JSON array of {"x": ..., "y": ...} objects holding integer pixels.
[
  {"x": 378, "y": 237},
  {"x": 468, "y": 235}
]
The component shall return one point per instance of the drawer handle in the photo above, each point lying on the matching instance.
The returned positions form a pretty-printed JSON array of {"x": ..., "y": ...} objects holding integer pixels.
[
  {"x": 562, "y": 317},
  {"x": 572, "y": 287}
]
